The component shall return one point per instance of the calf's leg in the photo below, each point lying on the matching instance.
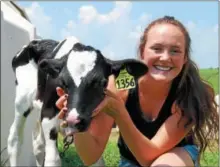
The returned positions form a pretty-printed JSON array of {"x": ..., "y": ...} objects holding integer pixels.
[
  {"x": 15, "y": 138},
  {"x": 38, "y": 141},
  {"x": 50, "y": 126}
]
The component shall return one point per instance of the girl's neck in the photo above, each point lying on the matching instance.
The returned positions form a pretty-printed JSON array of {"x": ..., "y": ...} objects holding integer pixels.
[{"x": 152, "y": 88}]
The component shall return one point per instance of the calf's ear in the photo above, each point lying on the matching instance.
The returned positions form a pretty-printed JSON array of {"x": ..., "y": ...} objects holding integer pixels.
[
  {"x": 134, "y": 67},
  {"x": 52, "y": 66}
]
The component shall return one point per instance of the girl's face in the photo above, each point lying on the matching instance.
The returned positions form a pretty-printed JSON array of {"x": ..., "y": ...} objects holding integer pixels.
[{"x": 164, "y": 52}]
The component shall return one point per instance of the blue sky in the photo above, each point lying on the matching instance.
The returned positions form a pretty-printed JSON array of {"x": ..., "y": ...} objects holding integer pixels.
[{"x": 114, "y": 27}]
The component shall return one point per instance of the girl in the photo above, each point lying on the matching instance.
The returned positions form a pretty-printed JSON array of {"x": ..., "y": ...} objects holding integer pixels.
[{"x": 164, "y": 120}]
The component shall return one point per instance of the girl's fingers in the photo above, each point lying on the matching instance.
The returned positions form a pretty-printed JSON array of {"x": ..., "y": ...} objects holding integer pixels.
[
  {"x": 62, "y": 113},
  {"x": 61, "y": 102},
  {"x": 65, "y": 103},
  {"x": 111, "y": 83},
  {"x": 60, "y": 91},
  {"x": 110, "y": 94},
  {"x": 95, "y": 112},
  {"x": 100, "y": 106}
]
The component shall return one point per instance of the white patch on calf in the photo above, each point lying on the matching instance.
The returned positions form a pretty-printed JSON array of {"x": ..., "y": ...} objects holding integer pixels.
[
  {"x": 38, "y": 143},
  {"x": 27, "y": 85},
  {"x": 27, "y": 74},
  {"x": 73, "y": 116},
  {"x": 66, "y": 47},
  {"x": 52, "y": 157},
  {"x": 15, "y": 138},
  {"x": 79, "y": 64},
  {"x": 37, "y": 105}
]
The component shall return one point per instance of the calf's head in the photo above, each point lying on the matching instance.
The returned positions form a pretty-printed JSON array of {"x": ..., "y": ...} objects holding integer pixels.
[{"x": 83, "y": 74}]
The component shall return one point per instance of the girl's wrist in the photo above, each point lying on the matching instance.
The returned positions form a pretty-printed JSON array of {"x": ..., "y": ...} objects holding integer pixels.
[{"x": 120, "y": 113}]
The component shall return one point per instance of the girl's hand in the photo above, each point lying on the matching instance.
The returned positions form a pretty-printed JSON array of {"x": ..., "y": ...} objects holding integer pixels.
[
  {"x": 113, "y": 104},
  {"x": 61, "y": 102}
]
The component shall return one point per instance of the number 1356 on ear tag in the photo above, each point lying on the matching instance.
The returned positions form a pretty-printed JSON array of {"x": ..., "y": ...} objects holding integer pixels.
[{"x": 125, "y": 80}]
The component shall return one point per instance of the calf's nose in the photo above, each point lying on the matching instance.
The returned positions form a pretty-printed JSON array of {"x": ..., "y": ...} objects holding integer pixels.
[{"x": 72, "y": 117}]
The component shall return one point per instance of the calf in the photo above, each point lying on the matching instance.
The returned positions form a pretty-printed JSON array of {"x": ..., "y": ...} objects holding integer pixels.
[{"x": 82, "y": 71}]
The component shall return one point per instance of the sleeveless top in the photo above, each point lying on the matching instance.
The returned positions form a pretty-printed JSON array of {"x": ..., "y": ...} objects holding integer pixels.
[{"x": 147, "y": 128}]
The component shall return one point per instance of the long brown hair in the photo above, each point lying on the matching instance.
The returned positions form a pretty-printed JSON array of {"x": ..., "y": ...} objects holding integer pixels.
[{"x": 195, "y": 97}]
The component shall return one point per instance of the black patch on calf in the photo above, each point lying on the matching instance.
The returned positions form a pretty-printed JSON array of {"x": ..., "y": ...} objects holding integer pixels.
[
  {"x": 49, "y": 109},
  {"x": 53, "y": 134},
  {"x": 41, "y": 49},
  {"x": 22, "y": 59},
  {"x": 58, "y": 48},
  {"x": 80, "y": 47},
  {"x": 26, "y": 113},
  {"x": 36, "y": 50}
]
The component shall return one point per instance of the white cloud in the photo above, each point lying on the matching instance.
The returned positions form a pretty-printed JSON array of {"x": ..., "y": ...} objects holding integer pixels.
[
  {"x": 40, "y": 19},
  {"x": 88, "y": 14},
  {"x": 118, "y": 34},
  {"x": 112, "y": 28},
  {"x": 121, "y": 9}
]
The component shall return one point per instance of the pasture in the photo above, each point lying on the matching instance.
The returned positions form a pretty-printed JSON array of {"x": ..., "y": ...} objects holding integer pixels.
[{"x": 211, "y": 75}]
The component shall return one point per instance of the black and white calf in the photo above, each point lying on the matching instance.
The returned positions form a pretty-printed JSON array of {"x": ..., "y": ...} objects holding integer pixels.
[{"x": 82, "y": 71}]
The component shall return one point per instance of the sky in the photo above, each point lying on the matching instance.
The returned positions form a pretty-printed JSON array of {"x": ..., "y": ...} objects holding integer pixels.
[{"x": 115, "y": 27}]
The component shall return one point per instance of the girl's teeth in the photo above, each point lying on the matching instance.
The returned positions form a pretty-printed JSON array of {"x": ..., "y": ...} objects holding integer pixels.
[{"x": 163, "y": 68}]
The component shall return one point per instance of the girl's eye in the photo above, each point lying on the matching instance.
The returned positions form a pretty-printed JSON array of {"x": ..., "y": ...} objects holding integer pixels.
[
  {"x": 157, "y": 49},
  {"x": 174, "y": 52}
]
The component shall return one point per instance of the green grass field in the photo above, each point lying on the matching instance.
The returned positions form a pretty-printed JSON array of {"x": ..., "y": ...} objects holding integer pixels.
[
  {"x": 111, "y": 153},
  {"x": 212, "y": 77}
]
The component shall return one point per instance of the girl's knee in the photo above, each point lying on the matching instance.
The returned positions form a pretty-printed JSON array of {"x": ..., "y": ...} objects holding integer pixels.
[{"x": 175, "y": 157}]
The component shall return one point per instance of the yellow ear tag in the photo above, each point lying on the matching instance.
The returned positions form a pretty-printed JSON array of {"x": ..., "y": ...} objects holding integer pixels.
[{"x": 125, "y": 80}]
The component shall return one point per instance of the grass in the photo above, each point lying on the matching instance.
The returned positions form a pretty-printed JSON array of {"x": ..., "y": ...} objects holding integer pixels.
[
  {"x": 211, "y": 75},
  {"x": 111, "y": 153}
]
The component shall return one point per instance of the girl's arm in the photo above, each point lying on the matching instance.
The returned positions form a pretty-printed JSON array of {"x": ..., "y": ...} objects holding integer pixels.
[
  {"x": 145, "y": 150},
  {"x": 91, "y": 144}
]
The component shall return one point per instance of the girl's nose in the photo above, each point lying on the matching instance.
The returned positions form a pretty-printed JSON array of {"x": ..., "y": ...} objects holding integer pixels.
[{"x": 165, "y": 56}]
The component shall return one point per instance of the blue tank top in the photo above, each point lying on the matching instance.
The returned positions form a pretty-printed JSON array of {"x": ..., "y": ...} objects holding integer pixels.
[{"x": 147, "y": 128}]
